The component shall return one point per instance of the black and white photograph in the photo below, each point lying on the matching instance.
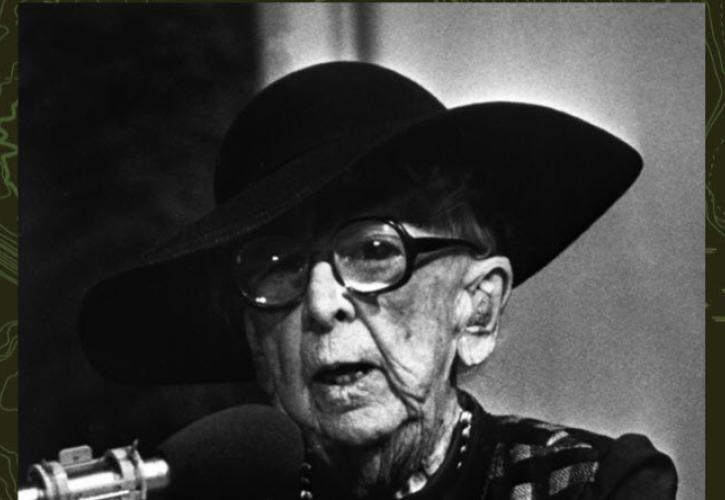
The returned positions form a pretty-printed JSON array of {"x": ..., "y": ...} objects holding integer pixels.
[{"x": 362, "y": 251}]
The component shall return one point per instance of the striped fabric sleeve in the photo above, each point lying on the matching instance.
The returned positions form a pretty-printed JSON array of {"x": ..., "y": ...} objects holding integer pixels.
[
  {"x": 535, "y": 460},
  {"x": 634, "y": 470}
]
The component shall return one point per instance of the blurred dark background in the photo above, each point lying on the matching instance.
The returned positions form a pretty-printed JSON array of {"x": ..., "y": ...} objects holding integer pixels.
[{"x": 123, "y": 108}]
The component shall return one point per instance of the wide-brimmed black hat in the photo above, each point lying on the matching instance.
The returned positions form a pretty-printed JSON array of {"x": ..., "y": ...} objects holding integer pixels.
[{"x": 546, "y": 174}]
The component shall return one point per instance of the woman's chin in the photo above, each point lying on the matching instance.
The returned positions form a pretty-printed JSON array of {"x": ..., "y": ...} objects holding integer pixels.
[{"x": 363, "y": 426}]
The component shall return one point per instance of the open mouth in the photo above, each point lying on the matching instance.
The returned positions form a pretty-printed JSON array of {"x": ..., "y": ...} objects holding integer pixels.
[{"x": 343, "y": 373}]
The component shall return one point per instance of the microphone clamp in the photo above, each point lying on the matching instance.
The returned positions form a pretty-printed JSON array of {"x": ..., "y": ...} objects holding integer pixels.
[{"x": 120, "y": 474}]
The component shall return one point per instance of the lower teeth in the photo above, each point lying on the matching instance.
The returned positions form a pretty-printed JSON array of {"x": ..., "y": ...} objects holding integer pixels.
[{"x": 345, "y": 379}]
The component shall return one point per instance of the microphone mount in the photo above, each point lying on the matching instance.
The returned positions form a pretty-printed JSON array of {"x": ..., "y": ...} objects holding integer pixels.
[{"x": 120, "y": 474}]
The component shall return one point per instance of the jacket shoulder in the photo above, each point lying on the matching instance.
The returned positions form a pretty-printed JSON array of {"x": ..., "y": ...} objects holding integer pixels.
[{"x": 535, "y": 459}]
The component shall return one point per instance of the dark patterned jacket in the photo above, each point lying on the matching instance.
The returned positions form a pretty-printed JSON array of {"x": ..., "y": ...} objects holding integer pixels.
[{"x": 516, "y": 458}]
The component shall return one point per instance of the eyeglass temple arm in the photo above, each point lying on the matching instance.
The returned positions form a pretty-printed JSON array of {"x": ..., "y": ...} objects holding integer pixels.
[{"x": 432, "y": 244}]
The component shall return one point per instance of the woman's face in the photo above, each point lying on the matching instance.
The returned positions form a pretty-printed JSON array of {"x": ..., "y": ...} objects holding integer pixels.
[{"x": 352, "y": 369}]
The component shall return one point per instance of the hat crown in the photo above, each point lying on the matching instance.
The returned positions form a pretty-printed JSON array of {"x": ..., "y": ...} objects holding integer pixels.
[{"x": 312, "y": 108}]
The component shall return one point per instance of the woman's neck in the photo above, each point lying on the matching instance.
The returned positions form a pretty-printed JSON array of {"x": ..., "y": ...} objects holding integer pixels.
[{"x": 399, "y": 465}]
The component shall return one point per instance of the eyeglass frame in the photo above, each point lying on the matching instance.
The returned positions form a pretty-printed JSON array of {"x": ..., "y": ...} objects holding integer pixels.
[{"x": 412, "y": 245}]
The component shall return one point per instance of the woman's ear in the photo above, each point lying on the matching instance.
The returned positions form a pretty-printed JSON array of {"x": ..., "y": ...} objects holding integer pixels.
[
  {"x": 261, "y": 369},
  {"x": 487, "y": 286}
]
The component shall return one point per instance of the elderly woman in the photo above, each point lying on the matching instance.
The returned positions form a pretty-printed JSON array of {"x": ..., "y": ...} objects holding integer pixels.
[{"x": 365, "y": 244}]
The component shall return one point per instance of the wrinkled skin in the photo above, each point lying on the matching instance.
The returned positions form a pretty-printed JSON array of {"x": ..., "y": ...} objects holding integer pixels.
[{"x": 379, "y": 429}]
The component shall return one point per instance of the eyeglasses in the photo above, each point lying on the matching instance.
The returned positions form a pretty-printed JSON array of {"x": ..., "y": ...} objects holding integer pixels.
[{"x": 368, "y": 255}]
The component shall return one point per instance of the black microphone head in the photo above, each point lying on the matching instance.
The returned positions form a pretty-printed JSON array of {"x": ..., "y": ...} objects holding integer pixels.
[{"x": 249, "y": 451}]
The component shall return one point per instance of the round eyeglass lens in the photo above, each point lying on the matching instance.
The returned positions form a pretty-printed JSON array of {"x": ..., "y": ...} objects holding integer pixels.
[
  {"x": 369, "y": 255},
  {"x": 271, "y": 272}
]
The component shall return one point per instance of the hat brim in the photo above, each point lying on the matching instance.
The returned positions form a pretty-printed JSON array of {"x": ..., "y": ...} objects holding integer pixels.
[{"x": 548, "y": 176}]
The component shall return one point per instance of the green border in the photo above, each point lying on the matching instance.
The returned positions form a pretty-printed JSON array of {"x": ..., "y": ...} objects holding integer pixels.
[
  {"x": 715, "y": 246},
  {"x": 8, "y": 249}
]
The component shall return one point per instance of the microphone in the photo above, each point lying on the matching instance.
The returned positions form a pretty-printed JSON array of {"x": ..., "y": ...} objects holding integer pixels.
[{"x": 247, "y": 451}]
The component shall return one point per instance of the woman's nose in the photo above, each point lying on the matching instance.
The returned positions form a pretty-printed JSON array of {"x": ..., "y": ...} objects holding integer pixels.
[{"x": 326, "y": 300}]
